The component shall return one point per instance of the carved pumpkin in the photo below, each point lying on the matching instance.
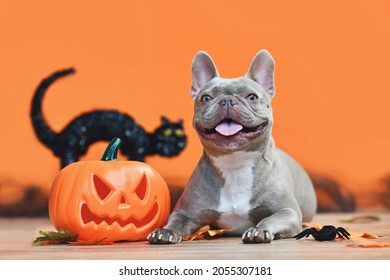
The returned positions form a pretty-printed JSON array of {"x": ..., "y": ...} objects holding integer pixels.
[{"x": 111, "y": 199}]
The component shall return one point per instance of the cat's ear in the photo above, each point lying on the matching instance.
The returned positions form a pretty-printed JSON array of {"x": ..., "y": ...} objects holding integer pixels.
[
  {"x": 164, "y": 120},
  {"x": 180, "y": 122},
  {"x": 203, "y": 71}
]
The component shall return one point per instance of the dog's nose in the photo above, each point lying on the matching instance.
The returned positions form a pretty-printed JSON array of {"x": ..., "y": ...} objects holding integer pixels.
[{"x": 228, "y": 102}]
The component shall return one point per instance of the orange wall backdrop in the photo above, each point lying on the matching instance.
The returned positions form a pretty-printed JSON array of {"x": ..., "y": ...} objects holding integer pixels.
[{"x": 332, "y": 75}]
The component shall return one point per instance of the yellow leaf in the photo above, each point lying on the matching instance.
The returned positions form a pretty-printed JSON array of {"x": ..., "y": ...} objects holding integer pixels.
[{"x": 206, "y": 233}]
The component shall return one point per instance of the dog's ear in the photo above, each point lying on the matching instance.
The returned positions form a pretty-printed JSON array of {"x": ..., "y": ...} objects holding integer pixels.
[
  {"x": 262, "y": 71},
  {"x": 203, "y": 70}
]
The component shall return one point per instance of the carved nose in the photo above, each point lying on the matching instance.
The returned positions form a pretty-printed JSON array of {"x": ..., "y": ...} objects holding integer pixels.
[
  {"x": 228, "y": 102},
  {"x": 123, "y": 203}
]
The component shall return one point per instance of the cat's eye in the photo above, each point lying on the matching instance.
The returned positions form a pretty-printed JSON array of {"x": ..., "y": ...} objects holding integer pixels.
[
  {"x": 167, "y": 132},
  {"x": 206, "y": 98},
  {"x": 179, "y": 132},
  {"x": 252, "y": 97}
]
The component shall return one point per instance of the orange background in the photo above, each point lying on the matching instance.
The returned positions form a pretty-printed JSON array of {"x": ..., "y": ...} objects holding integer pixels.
[{"x": 332, "y": 75}]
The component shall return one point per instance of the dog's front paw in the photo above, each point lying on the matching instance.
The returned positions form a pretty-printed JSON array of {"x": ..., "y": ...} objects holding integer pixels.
[
  {"x": 257, "y": 235},
  {"x": 164, "y": 236}
]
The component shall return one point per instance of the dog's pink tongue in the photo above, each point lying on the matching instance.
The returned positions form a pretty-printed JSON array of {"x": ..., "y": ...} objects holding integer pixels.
[{"x": 228, "y": 128}]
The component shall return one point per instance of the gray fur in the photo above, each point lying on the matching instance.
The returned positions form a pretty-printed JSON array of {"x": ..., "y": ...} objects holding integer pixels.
[{"x": 242, "y": 180}]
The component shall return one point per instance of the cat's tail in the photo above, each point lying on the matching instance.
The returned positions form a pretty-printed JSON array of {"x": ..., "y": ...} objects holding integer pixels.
[{"x": 43, "y": 131}]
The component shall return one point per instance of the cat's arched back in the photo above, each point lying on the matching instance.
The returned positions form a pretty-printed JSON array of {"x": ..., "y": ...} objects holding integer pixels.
[{"x": 75, "y": 138}]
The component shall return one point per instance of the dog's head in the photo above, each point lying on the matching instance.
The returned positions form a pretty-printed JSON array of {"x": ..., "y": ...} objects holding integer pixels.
[{"x": 233, "y": 114}]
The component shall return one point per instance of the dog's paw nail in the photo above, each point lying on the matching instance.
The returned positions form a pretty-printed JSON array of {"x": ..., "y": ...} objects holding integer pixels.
[
  {"x": 160, "y": 236},
  {"x": 170, "y": 239},
  {"x": 267, "y": 237},
  {"x": 247, "y": 237}
]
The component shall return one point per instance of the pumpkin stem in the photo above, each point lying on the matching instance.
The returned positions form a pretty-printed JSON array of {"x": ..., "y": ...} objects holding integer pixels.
[{"x": 111, "y": 151}]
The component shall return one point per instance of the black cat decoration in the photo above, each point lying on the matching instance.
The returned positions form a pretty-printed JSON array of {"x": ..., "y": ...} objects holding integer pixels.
[{"x": 102, "y": 125}]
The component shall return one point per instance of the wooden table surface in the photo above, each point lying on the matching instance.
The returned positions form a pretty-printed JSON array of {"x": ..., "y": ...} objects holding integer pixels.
[{"x": 17, "y": 234}]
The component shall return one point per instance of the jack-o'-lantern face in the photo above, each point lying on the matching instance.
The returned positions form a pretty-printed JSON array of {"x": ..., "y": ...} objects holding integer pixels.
[
  {"x": 119, "y": 199},
  {"x": 115, "y": 200}
]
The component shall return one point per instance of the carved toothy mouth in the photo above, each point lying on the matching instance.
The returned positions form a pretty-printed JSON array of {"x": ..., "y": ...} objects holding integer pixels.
[{"x": 88, "y": 217}]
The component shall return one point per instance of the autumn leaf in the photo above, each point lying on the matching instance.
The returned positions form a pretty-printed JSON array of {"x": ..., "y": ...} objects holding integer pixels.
[
  {"x": 63, "y": 236},
  {"x": 55, "y": 237},
  {"x": 366, "y": 235},
  {"x": 91, "y": 242},
  {"x": 361, "y": 240},
  {"x": 371, "y": 244},
  {"x": 311, "y": 225},
  {"x": 206, "y": 233},
  {"x": 369, "y": 235},
  {"x": 361, "y": 219}
]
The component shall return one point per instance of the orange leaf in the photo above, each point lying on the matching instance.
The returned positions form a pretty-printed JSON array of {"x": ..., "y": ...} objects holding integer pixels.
[
  {"x": 206, "y": 233},
  {"x": 369, "y": 235},
  {"x": 371, "y": 244},
  {"x": 91, "y": 242},
  {"x": 312, "y": 225},
  {"x": 362, "y": 242},
  {"x": 366, "y": 235}
]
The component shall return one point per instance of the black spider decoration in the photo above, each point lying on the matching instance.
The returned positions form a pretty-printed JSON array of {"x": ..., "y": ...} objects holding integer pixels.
[
  {"x": 327, "y": 233},
  {"x": 75, "y": 138}
]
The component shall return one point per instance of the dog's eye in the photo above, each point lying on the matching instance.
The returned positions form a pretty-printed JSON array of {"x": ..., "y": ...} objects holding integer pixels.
[
  {"x": 206, "y": 98},
  {"x": 252, "y": 97}
]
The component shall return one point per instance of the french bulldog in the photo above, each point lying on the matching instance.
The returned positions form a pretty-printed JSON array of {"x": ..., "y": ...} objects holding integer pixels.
[{"x": 242, "y": 181}]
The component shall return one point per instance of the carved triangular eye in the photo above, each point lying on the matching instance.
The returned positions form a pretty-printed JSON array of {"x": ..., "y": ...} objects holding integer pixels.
[
  {"x": 141, "y": 188},
  {"x": 102, "y": 189}
]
